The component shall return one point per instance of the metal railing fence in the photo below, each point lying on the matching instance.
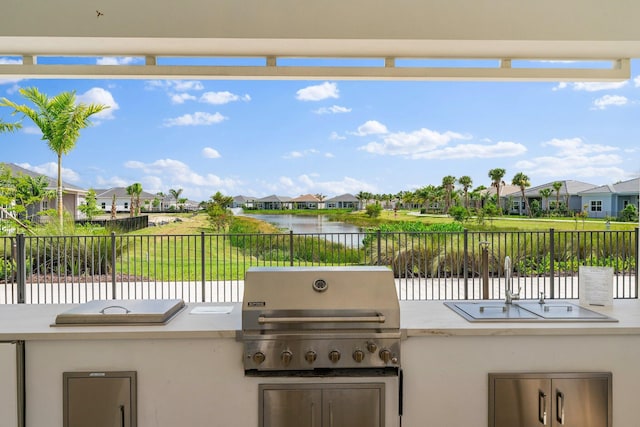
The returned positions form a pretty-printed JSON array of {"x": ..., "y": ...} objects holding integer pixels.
[{"x": 210, "y": 267}]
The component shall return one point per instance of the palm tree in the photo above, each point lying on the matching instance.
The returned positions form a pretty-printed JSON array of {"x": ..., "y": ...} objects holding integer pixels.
[
  {"x": 425, "y": 195},
  {"x": 448, "y": 183},
  {"x": 466, "y": 183},
  {"x": 175, "y": 193},
  {"x": 496, "y": 176},
  {"x": 9, "y": 127},
  {"x": 134, "y": 191},
  {"x": 114, "y": 209},
  {"x": 557, "y": 186},
  {"x": 60, "y": 119},
  {"x": 545, "y": 193},
  {"x": 522, "y": 181}
]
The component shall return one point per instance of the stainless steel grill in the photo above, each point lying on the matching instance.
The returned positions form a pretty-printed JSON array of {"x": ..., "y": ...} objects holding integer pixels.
[{"x": 320, "y": 320}]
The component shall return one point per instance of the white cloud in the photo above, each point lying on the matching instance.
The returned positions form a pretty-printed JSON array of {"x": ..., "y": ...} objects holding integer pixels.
[
  {"x": 592, "y": 86},
  {"x": 415, "y": 144},
  {"x": 10, "y": 61},
  {"x": 318, "y": 93},
  {"x": 576, "y": 159},
  {"x": 50, "y": 169},
  {"x": 98, "y": 95},
  {"x": 371, "y": 127},
  {"x": 186, "y": 85},
  {"x": 610, "y": 100},
  {"x": 196, "y": 119},
  {"x": 117, "y": 60},
  {"x": 308, "y": 183},
  {"x": 329, "y": 155},
  {"x": 636, "y": 81},
  {"x": 334, "y": 109},
  {"x": 299, "y": 154},
  {"x": 475, "y": 151},
  {"x": 576, "y": 146},
  {"x": 180, "y": 98},
  {"x": 176, "y": 174},
  {"x": 210, "y": 153},
  {"x": 218, "y": 98},
  {"x": 336, "y": 137},
  {"x": 32, "y": 130},
  {"x": 114, "y": 181}
]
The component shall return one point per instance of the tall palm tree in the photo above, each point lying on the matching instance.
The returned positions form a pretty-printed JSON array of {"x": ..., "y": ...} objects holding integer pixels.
[
  {"x": 496, "y": 176},
  {"x": 60, "y": 119},
  {"x": 448, "y": 183},
  {"x": 522, "y": 181},
  {"x": 134, "y": 191},
  {"x": 425, "y": 195},
  {"x": 557, "y": 186},
  {"x": 545, "y": 193},
  {"x": 466, "y": 183},
  {"x": 175, "y": 193}
]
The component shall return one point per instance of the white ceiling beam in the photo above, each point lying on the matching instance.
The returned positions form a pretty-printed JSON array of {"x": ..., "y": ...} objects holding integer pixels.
[{"x": 505, "y": 72}]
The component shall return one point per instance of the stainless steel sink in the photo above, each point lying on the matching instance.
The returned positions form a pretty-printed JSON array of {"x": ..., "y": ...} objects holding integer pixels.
[{"x": 525, "y": 311}]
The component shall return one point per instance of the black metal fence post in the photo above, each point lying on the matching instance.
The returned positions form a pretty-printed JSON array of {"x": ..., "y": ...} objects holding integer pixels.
[
  {"x": 202, "y": 263},
  {"x": 485, "y": 269},
  {"x": 291, "y": 248},
  {"x": 552, "y": 267},
  {"x": 465, "y": 263},
  {"x": 379, "y": 234},
  {"x": 113, "y": 265},
  {"x": 21, "y": 266},
  {"x": 637, "y": 260}
]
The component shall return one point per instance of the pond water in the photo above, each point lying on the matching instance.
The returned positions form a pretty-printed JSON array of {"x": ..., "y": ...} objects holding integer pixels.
[{"x": 301, "y": 224}]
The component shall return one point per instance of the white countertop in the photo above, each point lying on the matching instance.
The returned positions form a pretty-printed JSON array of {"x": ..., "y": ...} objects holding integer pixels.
[{"x": 202, "y": 320}]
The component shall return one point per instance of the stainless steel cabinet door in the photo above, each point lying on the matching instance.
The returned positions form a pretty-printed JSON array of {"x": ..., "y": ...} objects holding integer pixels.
[
  {"x": 99, "y": 399},
  {"x": 349, "y": 407},
  {"x": 521, "y": 402},
  {"x": 581, "y": 402},
  {"x": 291, "y": 408}
]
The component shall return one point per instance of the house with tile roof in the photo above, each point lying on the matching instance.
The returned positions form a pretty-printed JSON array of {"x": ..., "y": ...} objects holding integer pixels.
[
  {"x": 72, "y": 196},
  {"x": 611, "y": 199}
]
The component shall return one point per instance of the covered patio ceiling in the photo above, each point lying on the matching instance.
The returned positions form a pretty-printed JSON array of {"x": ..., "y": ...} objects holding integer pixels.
[{"x": 513, "y": 33}]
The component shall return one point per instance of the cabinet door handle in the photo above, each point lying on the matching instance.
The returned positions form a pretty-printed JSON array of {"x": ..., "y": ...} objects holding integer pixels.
[
  {"x": 560, "y": 407},
  {"x": 122, "y": 419},
  {"x": 542, "y": 408}
]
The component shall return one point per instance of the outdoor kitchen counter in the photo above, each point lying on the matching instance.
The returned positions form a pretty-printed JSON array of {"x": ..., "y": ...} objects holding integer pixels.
[
  {"x": 418, "y": 319},
  {"x": 29, "y": 322}
]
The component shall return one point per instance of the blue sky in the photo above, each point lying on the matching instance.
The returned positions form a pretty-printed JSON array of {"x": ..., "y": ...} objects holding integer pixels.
[{"x": 294, "y": 137}]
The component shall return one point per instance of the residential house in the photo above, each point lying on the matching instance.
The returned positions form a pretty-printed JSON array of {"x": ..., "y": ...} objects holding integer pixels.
[
  {"x": 72, "y": 196},
  {"x": 344, "y": 201},
  {"x": 104, "y": 199},
  {"x": 610, "y": 199},
  {"x": 507, "y": 191},
  {"x": 245, "y": 202},
  {"x": 569, "y": 196},
  {"x": 274, "y": 202},
  {"x": 307, "y": 201}
]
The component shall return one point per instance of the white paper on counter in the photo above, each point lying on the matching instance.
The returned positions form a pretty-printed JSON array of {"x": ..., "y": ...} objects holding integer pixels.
[
  {"x": 213, "y": 309},
  {"x": 596, "y": 285}
]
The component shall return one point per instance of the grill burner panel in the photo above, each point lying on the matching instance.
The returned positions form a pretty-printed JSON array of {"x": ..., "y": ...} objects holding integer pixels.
[{"x": 320, "y": 319}]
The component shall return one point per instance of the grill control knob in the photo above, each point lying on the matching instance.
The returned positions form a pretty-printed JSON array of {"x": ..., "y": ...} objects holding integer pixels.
[
  {"x": 310, "y": 356},
  {"x": 358, "y": 356},
  {"x": 371, "y": 347},
  {"x": 286, "y": 357},
  {"x": 334, "y": 356},
  {"x": 258, "y": 357},
  {"x": 385, "y": 355}
]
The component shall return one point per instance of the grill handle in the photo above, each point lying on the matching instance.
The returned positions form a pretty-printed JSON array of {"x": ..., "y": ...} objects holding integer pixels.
[{"x": 379, "y": 318}]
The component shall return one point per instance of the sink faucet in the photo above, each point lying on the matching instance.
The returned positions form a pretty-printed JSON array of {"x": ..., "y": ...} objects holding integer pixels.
[{"x": 510, "y": 295}]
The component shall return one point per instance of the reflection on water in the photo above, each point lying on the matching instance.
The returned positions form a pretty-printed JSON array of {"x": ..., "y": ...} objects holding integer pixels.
[{"x": 301, "y": 224}]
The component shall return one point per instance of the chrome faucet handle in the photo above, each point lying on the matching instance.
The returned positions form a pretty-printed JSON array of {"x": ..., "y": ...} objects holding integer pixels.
[{"x": 541, "y": 300}]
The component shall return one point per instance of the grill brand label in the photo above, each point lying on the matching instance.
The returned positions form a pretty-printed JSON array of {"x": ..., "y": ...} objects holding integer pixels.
[{"x": 256, "y": 303}]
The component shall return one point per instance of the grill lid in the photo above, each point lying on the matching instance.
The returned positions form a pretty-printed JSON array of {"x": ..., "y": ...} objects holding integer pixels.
[
  {"x": 121, "y": 312},
  {"x": 320, "y": 298}
]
